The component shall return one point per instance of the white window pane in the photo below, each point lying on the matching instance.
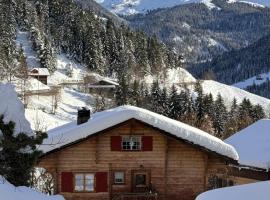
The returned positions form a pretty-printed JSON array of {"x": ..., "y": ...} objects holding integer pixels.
[
  {"x": 79, "y": 182},
  {"x": 89, "y": 182},
  {"x": 119, "y": 177}
]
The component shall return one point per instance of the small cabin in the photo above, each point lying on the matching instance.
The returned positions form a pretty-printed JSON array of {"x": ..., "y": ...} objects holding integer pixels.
[
  {"x": 132, "y": 153},
  {"x": 40, "y": 74},
  {"x": 103, "y": 86}
]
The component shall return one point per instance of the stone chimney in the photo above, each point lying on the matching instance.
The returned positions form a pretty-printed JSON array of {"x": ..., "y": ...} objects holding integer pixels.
[{"x": 83, "y": 115}]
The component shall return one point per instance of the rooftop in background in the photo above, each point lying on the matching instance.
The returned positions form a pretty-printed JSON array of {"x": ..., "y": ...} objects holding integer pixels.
[
  {"x": 39, "y": 72},
  {"x": 253, "y": 144},
  {"x": 69, "y": 133}
]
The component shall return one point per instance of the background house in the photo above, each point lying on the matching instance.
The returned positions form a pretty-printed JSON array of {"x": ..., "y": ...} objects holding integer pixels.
[
  {"x": 252, "y": 145},
  {"x": 127, "y": 151},
  {"x": 40, "y": 74}
]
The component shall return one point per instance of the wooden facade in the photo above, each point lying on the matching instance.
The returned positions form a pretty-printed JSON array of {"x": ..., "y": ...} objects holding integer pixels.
[{"x": 172, "y": 168}]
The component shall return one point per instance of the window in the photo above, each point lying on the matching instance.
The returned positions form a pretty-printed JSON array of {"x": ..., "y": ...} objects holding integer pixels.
[
  {"x": 140, "y": 180},
  {"x": 131, "y": 143},
  {"x": 84, "y": 182},
  {"x": 119, "y": 177},
  {"x": 219, "y": 182}
]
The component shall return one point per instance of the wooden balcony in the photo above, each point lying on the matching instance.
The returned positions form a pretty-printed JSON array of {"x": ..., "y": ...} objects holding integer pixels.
[{"x": 136, "y": 196}]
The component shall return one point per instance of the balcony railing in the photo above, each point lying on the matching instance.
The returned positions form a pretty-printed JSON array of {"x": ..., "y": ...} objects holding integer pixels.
[{"x": 136, "y": 196}]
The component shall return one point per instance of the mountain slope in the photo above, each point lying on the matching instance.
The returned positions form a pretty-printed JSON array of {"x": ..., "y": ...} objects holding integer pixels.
[
  {"x": 99, "y": 10},
  {"x": 200, "y": 33},
  {"x": 128, "y": 7},
  {"x": 247, "y": 63}
]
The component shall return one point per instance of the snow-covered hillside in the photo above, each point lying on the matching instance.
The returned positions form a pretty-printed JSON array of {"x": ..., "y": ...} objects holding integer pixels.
[
  {"x": 257, "y": 80},
  {"x": 40, "y": 108},
  {"x": 181, "y": 77},
  {"x": 230, "y": 92},
  {"x": 128, "y": 7}
]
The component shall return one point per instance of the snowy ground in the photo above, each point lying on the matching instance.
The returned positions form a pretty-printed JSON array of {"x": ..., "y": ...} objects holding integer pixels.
[
  {"x": 10, "y": 192},
  {"x": 254, "y": 191},
  {"x": 39, "y": 110}
]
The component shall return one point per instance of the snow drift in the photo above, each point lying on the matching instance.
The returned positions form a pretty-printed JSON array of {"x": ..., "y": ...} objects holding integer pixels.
[
  {"x": 10, "y": 192},
  {"x": 13, "y": 110},
  {"x": 252, "y": 191}
]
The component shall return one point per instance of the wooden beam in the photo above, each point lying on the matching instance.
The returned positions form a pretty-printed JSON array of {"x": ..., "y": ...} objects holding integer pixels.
[
  {"x": 250, "y": 174},
  {"x": 166, "y": 167}
]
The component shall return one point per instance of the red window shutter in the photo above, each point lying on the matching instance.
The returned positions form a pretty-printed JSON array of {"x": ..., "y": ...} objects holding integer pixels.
[
  {"x": 116, "y": 143},
  {"x": 67, "y": 182},
  {"x": 101, "y": 182},
  {"x": 147, "y": 143}
]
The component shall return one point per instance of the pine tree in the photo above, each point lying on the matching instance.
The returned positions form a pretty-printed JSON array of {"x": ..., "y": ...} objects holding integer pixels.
[
  {"x": 155, "y": 101},
  {"x": 18, "y": 153},
  {"x": 199, "y": 104},
  {"x": 220, "y": 116},
  {"x": 232, "y": 122}
]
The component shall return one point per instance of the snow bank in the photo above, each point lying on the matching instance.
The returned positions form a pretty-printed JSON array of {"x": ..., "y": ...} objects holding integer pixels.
[
  {"x": 253, "y": 144},
  {"x": 252, "y": 191},
  {"x": 10, "y": 192},
  {"x": 13, "y": 110},
  {"x": 71, "y": 132}
]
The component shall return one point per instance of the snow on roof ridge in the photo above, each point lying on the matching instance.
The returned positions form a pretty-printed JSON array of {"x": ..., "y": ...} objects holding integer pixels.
[{"x": 99, "y": 121}]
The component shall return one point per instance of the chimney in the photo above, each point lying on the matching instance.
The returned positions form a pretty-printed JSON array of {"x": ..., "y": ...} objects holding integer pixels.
[{"x": 83, "y": 115}]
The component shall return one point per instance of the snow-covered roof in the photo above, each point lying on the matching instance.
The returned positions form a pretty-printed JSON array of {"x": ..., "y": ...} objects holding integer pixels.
[
  {"x": 10, "y": 192},
  {"x": 71, "y": 132},
  {"x": 41, "y": 72},
  {"x": 253, "y": 144},
  {"x": 12, "y": 109},
  {"x": 259, "y": 190}
]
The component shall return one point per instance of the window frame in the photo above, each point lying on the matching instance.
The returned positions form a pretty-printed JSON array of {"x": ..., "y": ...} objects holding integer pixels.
[
  {"x": 84, "y": 182},
  {"x": 124, "y": 178},
  {"x": 131, "y": 136}
]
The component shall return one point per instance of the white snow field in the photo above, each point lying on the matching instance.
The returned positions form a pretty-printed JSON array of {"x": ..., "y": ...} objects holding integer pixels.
[
  {"x": 10, "y": 192},
  {"x": 12, "y": 109},
  {"x": 254, "y": 191},
  {"x": 39, "y": 109},
  {"x": 71, "y": 132},
  {"x": 253, "y": 144},
  {"x": 129, "y": 7}
]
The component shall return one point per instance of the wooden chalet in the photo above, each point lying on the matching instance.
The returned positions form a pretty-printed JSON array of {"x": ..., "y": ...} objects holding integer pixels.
[
  {"x": 132, "y": 153},
  {"x": 100, "y": 85},
  {"x": 40, "y": 74}
]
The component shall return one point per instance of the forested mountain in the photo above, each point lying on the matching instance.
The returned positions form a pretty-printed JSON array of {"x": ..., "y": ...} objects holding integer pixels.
[
  {"x": 201, "y": 32},
  {"x": 99, "y": 10},
  {"x": 62, "y": 26},
  {"x": 238, "y": 65}
]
